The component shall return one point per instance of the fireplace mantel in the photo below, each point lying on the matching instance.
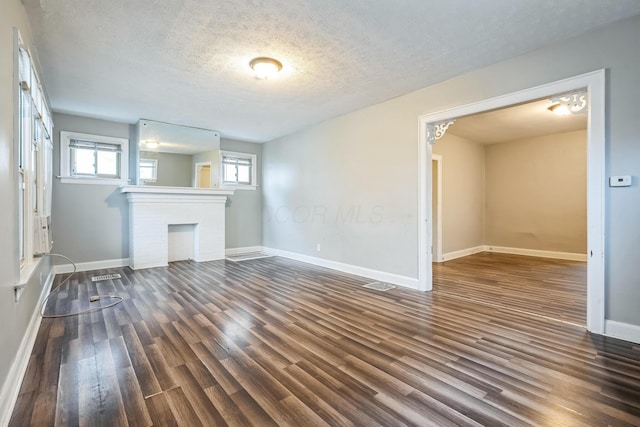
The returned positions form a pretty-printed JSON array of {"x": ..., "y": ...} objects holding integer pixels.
[
  {"x": 158, "y": 191},
  {"x": 153, "y": 209}
]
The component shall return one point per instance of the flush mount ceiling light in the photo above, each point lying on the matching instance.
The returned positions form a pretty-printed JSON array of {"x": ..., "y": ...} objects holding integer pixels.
[
  {"x": 572, "y": 103},
  {"x": 265, "y": 67},
  {"x": 152, "y": 144}
]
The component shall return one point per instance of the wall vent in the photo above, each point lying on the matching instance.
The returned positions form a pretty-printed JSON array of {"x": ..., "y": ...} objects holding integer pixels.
[
  {"x": 105, "y": 277},
  {"x": 379, "y": 286}
]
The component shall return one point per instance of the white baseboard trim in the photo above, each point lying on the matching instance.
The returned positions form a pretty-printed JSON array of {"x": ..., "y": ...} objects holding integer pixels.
[
  {"x": 242, "y": 251},
  {"x": 11, "y": 386},
  {"x": 537, "y": 253},
  {"x": 396, "y": 279},
  {"x": 92, "y": 265},
  {"x": 623, "y": 331},
  {"x": 462, "y": 253}
]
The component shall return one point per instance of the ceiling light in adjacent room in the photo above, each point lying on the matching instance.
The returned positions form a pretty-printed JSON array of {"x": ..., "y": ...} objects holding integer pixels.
[
  {"x": 265, "y": 67},
  {"x": 560, "y": 109},
  {"x": 152, "y": 144}
]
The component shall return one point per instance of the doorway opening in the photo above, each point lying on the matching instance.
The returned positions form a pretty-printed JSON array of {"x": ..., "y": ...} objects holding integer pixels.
[
  {"x": 203, "y": 175},
  {"x": 515, "y": 211},
  {"x": 594, "y": 86}
]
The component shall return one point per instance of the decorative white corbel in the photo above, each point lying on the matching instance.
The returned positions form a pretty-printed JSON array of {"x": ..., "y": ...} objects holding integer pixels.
[
  {"x": 574, "y": 103},
  {"x": 435, "y": 131}
]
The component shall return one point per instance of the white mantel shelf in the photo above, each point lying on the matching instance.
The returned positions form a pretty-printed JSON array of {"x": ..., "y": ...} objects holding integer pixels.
[
  {"x": 152, "y": 210},
  {"x": 148, "y": 189}
]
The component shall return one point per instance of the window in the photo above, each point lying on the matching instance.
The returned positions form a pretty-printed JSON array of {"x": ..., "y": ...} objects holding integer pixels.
[
  {"x": 93, "y": 159},
  {"x": 238, "y": 170},
  {"x": 149, "y": 170},
  {"x": 24, "y": 141},
  {"x": 33, "y": 150}
]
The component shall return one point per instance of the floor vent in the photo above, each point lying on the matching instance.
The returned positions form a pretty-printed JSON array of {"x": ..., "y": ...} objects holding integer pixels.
[
  {"x": 248, "y": 256},
  {"x": 105, "y": 277},
  {"x": 379, "y": 286}
]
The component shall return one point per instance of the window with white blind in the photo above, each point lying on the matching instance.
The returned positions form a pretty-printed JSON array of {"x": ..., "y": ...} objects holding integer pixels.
[
  {"x": 93, "y": 159},
  {"x": 239, "y": 170}
]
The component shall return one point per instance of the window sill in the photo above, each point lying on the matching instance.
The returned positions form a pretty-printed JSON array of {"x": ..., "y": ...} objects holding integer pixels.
[
  {"x": 94, "y": 181},
  {"x": 27, "y": 270},
  {"x": 238, "y": 187}
]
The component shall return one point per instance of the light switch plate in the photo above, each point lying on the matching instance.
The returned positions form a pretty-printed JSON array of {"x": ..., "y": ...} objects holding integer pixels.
[{"x": 620, "y": 181}]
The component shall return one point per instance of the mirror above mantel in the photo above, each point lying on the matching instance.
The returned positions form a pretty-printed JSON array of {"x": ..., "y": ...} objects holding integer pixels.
[{"x": 171, "y": 155}]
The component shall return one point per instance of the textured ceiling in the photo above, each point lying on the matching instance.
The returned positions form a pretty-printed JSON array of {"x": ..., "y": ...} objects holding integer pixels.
[
  {"x": 186, "y": 61},
  {"x": 518, "y": 122}
]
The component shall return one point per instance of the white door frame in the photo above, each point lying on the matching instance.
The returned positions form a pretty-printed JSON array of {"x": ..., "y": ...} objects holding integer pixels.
[
  {"x": 594, "y": 82},
  {"x": 437, "y": 244}
]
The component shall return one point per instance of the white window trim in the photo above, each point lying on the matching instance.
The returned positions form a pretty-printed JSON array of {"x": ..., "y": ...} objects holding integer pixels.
[
  {"x": 34, "y": 149},
  {"x": 65, "y": 159},
  {"x": 254, "y": 171}
]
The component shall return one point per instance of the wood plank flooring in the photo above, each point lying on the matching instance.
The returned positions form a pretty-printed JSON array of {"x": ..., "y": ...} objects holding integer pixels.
[
  {"x": 276, "y": 342},
  {"x": 552, "y": 288}
]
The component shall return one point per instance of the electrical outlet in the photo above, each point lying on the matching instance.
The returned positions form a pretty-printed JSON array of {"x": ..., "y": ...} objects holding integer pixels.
[
  {"x": 620, "y": 181},
  {"x": 318, "y": 247}
]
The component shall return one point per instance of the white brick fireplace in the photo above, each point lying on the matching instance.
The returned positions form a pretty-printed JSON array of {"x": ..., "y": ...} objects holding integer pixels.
[{"x": 153, "y": 209}]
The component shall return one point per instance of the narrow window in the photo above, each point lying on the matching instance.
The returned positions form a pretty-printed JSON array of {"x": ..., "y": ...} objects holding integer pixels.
[{"x": 33, "y": 148}]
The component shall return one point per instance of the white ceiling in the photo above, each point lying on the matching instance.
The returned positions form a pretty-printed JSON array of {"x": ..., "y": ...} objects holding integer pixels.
[
  {"x": 186, "y": 61},
  {"x": 517, "y": 122}
]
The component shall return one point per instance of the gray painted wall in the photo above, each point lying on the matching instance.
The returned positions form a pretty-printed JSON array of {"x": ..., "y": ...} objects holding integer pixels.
[
  {"x": 14, "y": 316},
  {"x": 243, "y": 215},
  {"x": 90, "y": 222},
  {"x": 367, "y": 161}
]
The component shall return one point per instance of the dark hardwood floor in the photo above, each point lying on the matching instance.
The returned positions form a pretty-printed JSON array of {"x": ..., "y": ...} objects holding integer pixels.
[
  {"x": 277, "y": 342},
  {"x": 551, "y": 288}
]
